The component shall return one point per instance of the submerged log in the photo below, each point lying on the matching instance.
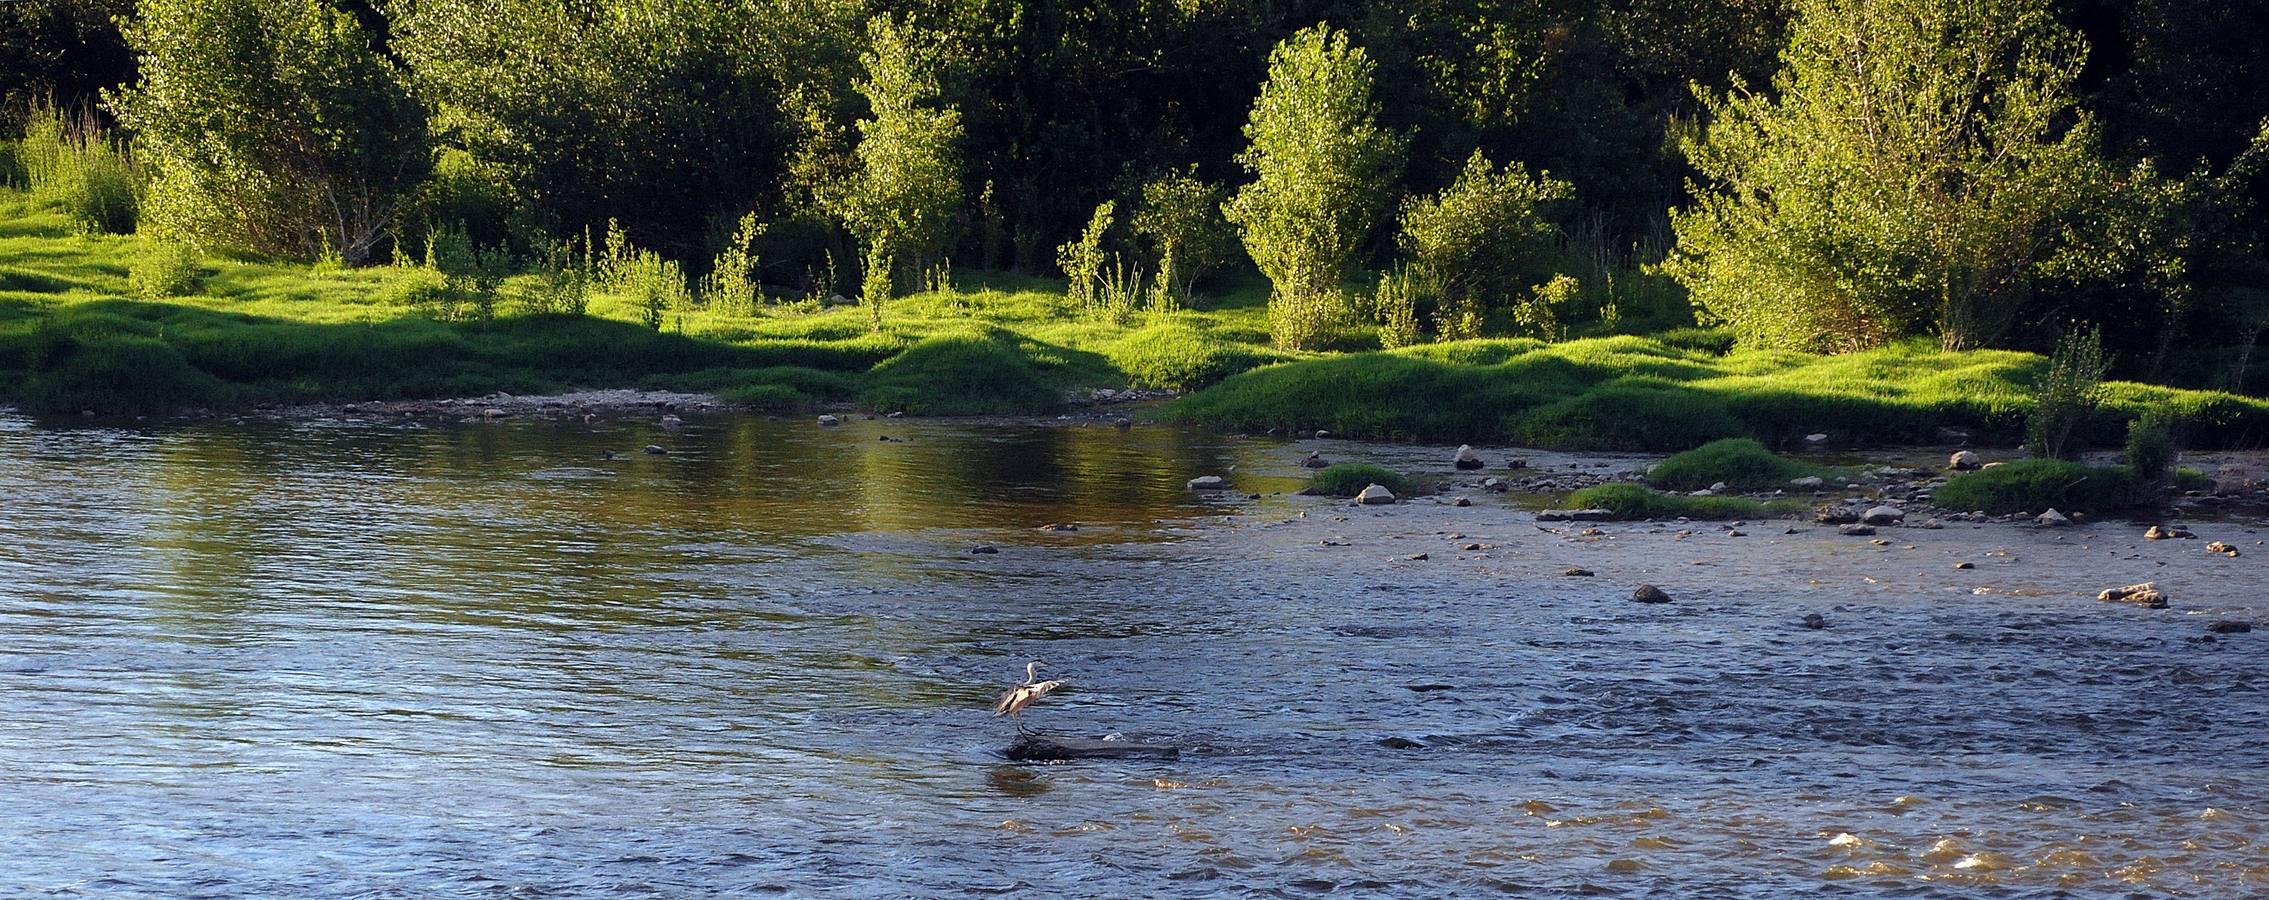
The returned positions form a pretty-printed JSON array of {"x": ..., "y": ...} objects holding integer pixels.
[{"x": 1048, "y": 748}]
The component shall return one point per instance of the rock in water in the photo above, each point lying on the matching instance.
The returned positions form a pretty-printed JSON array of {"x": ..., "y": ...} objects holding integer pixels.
[
  {"x": 1884, "y": 515},
  {"x": 2230, "y": 628},
  {"x": 1964, "y": 461},
  {"x": 1466, "y": 458},
  {"x": 1577, "y": 572},
  {"x": 1855, "y": 530},
  {"x": 2051, "y": 519},
  {"x": 2163, "y": 533},
  {"x": 1208, "y": 483},
  {"x": 1463, "y": 501},
  {"x": 657, "y": 449},
  {"x": 1375, "y": 495},
  {"x": 829, "y": 421},
  {"x": 1045, "y": 748},
  {"x": 1495, "y": 485},
  {"x": 1833, "y": 514},
  {"x": 1815, "y": 621},
  {"x": 1648, "y": 593},
  {"x": 2145, "y": 595},
  {"x": 1575, "y": 515},
  {"x": 1315, "y": 460},
  {"x": 1808, "y": 481},
  {"x": 2221, "y": 548}
]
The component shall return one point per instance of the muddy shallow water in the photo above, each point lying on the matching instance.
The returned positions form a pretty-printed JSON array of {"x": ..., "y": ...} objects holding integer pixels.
[{"x": 337, "y": 658}]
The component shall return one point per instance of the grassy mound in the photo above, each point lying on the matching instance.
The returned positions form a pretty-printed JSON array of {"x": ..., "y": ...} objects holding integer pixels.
[
  {"x": 2034, "y": 485},
  {"x": 1632, "y": 393},
  {"x": 956, "y": 375},
  {"x": 1741, "y": 463},
  {"x": 1633, "y": 502},
  {"x": 1181, "y": 357},
  {"x": 1349, "y": 479}
]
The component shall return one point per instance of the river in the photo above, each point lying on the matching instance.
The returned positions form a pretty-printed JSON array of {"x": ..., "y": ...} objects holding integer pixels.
[{"x": 341, "y": 658}]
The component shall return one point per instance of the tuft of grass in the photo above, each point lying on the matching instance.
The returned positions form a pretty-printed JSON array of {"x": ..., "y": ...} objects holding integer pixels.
[
  {"x": 1742, "y": 463},
  {"x": 1630, "y": 502},
  {"x": 1179, "y": 356},
  {"x": 163, "y": 269},
  {"x": 2034, "y": 485},
  {"x": 1349, "y": 479}
]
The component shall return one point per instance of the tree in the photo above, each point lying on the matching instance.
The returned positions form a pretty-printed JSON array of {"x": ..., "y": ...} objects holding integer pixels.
[
  {"x": 62, "y": 52},
  {"x": 1321, "y": 165},
  {"x": 666, "y": 116},
  {"x": 1474, "y": 241},
  {"x": 1181, "y": 216},
  {"x": 903, "y": 200},
  {"x": 272, "y": 126},
  {"x": 1918, "y": 167}
]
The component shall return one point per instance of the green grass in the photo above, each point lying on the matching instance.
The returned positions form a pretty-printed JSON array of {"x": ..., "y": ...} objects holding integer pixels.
[
  {"x": 1743, "y": 464},
  {"x": 77, "y": 332},
  {"x": 1637, "y": 393},
  {"x": 1631, "y": 502},
  {"x": 1349, "y": 479},
  {"x": 2036, "y": 485}
]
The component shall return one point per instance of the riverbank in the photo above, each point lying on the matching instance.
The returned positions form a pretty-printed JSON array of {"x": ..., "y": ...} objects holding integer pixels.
[{"x": 252, "y": 335}]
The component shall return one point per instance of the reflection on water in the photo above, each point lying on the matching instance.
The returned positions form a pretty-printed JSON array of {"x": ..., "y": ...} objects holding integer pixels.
[{"x": 338, "y": 659}]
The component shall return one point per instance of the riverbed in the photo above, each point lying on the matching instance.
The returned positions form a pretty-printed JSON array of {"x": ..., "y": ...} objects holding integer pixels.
[{"x": 330, "y": 656}]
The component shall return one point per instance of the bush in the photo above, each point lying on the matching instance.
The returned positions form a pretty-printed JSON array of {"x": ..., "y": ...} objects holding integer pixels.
[
  {"x": 2034, "y": 485},
  {"x": 1741, "y": 463},
  {"x": 2067, "y": 395},
  {"x": 1349, "y": 479},
  {"x": 2150, "y": 447},
  {"x": 163, "y": 269},
  {"x": 1630, "y": 502},
  {"x": 959, "y": 375}
]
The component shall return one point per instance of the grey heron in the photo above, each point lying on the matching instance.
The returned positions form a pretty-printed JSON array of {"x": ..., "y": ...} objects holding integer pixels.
[{"x": 1015, "y": 699}]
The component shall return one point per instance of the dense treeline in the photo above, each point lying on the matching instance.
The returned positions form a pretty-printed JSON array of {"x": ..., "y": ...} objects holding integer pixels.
[{"x": 1812, "y": 174}]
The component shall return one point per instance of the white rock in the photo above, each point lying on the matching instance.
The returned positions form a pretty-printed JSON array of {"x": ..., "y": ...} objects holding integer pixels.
[
  {"x": 1375, "y": 495},
  {"x": 1808, "y": 481},
  {"x": 1466, "y": 458},
  {"x": 829, "y": 421},
  {"x": 1964, "y": 460},
  {"x": 1705, "y": 492},
  {"x": 2051, "y": 519},
  {"x": 1816, "y": 438},
  {"x": 1208, "y": 483},
  {"x": 1884, "y": 515},
  {"x": 1718, "y": 488}
]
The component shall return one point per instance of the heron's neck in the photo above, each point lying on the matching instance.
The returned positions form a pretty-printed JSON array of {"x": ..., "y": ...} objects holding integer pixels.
[{"x": 1031, "y": 672}]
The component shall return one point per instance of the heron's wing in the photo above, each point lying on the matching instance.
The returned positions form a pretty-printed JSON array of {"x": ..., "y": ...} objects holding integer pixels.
[{"x": 1008, "y": 698}]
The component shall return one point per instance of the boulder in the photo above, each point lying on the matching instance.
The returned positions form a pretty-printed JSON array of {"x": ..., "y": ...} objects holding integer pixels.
[
  {"x": 1815, "y": 621},
  {"x": 1495, "y": 485},
  {"x": 827, "y": 421},
  {"x": 2052, "y": 519},
  {"x": 2222, "y": 548},
  {"x": 1463, "y": 501},
  {"x": 1833, "y": 514},
  {"x": 2230, "y": 628},
  {"x": 656, "y": 449},
  {"x": 2145, "y": 595},
  {"x": 1375, "y": 495},
  {"x": 1315, "y": 460},
  {"x": 1808, "y": 482},
  {"x": 983, "y": 550},
  {"x": 2163, "y": 533},
  {"x": 1856, "y": 530},
  {"x": 1816, "y": 439},
  {"x": 1965, "y": 565},
  {"x": 1883, "y": 515},
  {"x": 1466, "y": 458},
  {"x": 1718, "y": 488},
  {"x": 1964, "y": 461},
  {"x": 1208, "y": 483},
  {"x": 1648, "y": 593}
]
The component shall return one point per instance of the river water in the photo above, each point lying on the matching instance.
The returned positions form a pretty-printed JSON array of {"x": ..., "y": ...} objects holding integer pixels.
[{"x": 329, "y": 658}]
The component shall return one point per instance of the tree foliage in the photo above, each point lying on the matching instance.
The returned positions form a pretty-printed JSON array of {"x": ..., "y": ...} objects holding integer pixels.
[
  {"x": 1476, "y": 239},
  {"x": 272, "y": 126},
  {"x": 904, "y": 198},
  {"x": 1321, "y": 166},
  {"x": 1919, "y": 166}
]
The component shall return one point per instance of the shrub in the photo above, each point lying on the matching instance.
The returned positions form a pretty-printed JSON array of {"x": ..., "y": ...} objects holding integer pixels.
[
  {"x": 1741, "y": 463},
  {"x": 1082, "y": 258},
  {"x": 2150, "y": 447},
  {"x": 965, "y": 374},
  {"x": 1349, "y": 479},
  {"x": 1632, "y": 502},
  {"x": 1474, "y": 239},
  {"x": 163, "y": 269},
  {"x": 1181, "y": 216},
  {"x": 2034, "y": 485},
  {"x": 2066, "y": 395}
]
